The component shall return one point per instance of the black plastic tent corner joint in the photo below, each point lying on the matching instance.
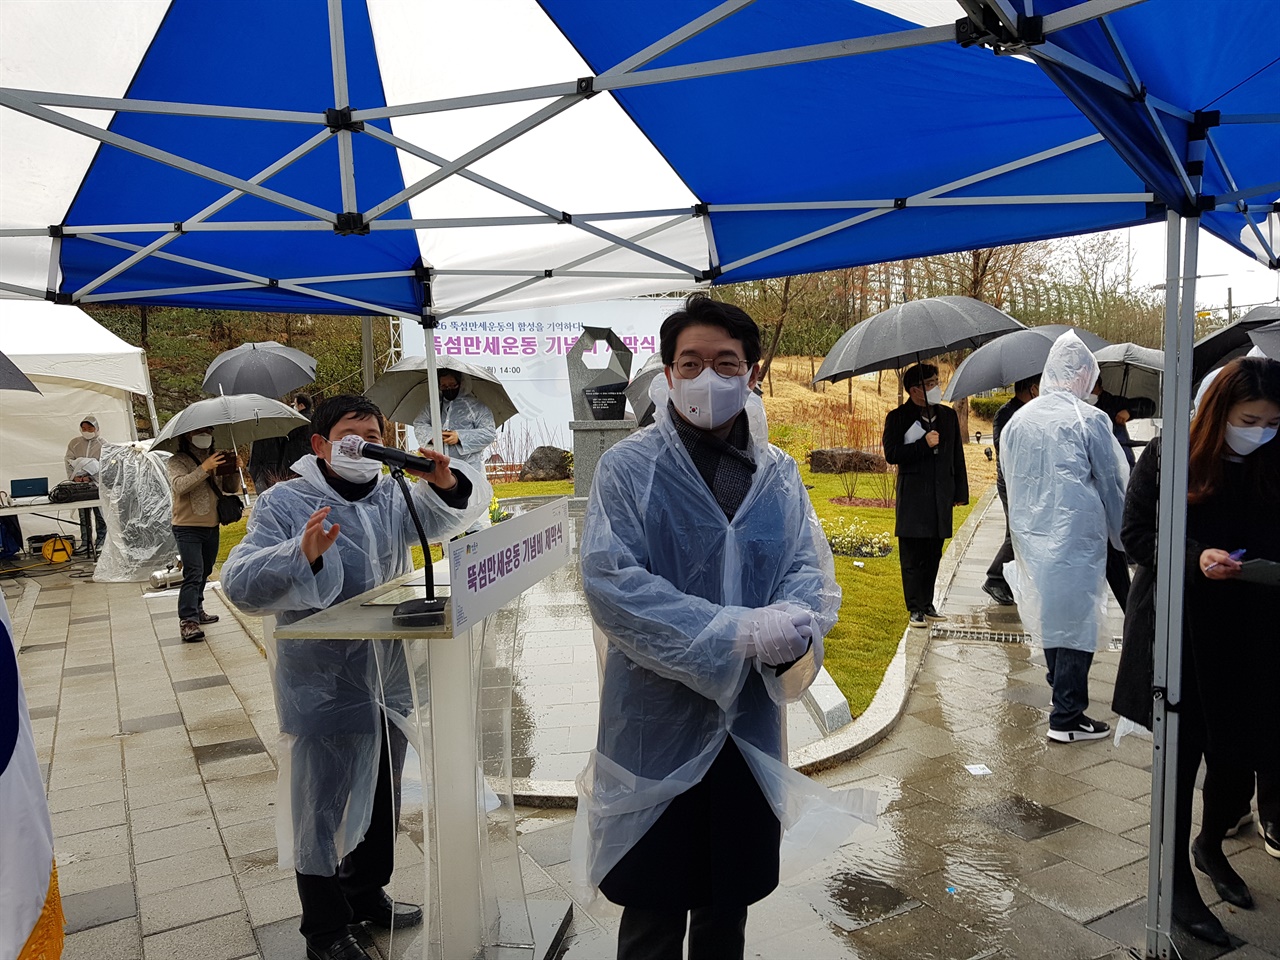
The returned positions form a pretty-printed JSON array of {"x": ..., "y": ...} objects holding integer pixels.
[
  {"x": 339, "y": 118},
  {"x": 351, "y": 223},
  {"x": 53, "y": 296},
  {"x": 587, "y": 87},
  {"x": 711, "y": 274}
]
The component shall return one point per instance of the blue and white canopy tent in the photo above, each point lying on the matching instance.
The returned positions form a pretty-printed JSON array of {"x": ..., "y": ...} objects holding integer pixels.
[{"x": 432, "y": 159}]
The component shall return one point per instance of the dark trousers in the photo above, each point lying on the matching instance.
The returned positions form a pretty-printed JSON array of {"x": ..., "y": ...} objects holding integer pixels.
[
  {"x": 1005, "y": 554},
  {"x": 1118, "y": 575},
  {"x": 198, "y": 548},
  {"x": 715, "y": 933},
  {"x": 919, "y": 557},
  {"x": 1226, "y": 792},
  {"x": 327, "y": 901},
  {"x": 1068, "y": 675},
  {"x": 88, "y": 517}
]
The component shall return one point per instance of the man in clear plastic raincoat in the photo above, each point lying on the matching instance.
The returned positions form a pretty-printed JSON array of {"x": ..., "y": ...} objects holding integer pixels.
[
  {"x": 466, "y": 426},
  {"x": 1065, "y": 475},
  {"x": 338, "y": 530},
  {"x": 711, "y": 586}
]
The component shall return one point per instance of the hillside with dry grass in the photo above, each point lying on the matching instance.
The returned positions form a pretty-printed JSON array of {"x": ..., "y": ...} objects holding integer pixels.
[{"x": 849, "y": 414}]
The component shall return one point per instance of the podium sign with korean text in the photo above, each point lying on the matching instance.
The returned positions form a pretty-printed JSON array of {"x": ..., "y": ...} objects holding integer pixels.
[{"x": 490, "y": 568}]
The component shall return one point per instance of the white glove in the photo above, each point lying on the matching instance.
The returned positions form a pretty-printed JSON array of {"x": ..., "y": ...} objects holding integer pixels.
[
  {"x": 800, "y": 616},
  {"x": 775, "y": 637}
]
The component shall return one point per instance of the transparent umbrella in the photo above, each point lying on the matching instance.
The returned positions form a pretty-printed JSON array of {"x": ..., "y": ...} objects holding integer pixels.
[
  {"x": 404, "y": 389},
  {"x": 1129, "y": 370}
]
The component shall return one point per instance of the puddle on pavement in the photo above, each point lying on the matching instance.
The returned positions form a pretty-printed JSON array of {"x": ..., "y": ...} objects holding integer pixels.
[
  {"x": 1023, "y": 818},
  {"x": 854, "y": 900}
]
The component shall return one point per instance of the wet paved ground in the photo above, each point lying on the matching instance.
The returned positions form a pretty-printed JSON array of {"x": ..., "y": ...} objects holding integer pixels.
[{"x": 160, "y": 762}]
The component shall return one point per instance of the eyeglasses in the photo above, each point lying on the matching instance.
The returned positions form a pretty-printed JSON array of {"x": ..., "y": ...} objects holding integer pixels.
[{"x": 688, "y": 366}]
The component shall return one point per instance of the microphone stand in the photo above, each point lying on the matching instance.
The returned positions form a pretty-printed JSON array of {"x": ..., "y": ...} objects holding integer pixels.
[{"x": 428, "y": 612}]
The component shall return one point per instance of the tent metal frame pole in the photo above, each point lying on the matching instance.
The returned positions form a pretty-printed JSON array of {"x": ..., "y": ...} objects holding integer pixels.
[
  {"x": 55, "y": 260},
  {"x": 22, "y": 291},
  {"x": 49, "y": 98},
  {"x": 996, "y": 171},
  {"x": 594, "y": 255},
  {"x": 1069, "y": 61},
  {"x": 163, "y": 156},
  {"x": 1082, "y": 13},
  {"x": 341, "y": 98},
  {"x": 168, "y": 292},
  {"x": 890, "y": 204},
  {"x": 602, "y": 274},
  {"x": 1249, "y": 118},
  {"x": 1231, "y": 182},
  {"x": 512, "y": 132},
  {"x": 1179, "y": 332},
  {"x": 552, "y": 214},
  {"x": 1138, "y": 93},
  {"x": 175, "y": 258},
  {"x": 219, "y": 204},
  {"x": 1247, "y": 192}
]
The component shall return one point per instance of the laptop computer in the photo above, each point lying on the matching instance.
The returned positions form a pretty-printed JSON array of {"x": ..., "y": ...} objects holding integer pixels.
[{"x": 31, "y": 487}]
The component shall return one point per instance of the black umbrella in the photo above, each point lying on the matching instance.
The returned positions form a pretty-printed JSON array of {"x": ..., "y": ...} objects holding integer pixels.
[
  {"x": 1231, "y": 341},
  {"x": 1267, "y": 339},
  {"x": 11, "y": 378},
  {"x": 267, "y": 368},
  {"x": 1128, "y": 370},
  {"x": 1011, "y": 358},
  {"x": 915, "y": 331}
]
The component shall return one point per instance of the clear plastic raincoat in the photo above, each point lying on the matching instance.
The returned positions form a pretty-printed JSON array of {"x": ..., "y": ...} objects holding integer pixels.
[
  {"x": 330, "y": 693},
  {"x": 469, "y": 417},
  {"x": 1066, "y": 475},
  {"x": 670, "y": 583},
  {"x": 134, "y": 486}
]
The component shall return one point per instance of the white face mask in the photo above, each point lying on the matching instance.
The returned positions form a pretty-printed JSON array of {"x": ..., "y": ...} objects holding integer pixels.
[
  {"x": 1091, "y": 399},
  {"x": 1245, "y": 440},
  {"x": 355, "y": 469},
  {"x": 710, "y": 400},
  {"x": 202, "y": 441},
  {"x": 89, "y": 434},
  {"x": 933, "y": 395}
]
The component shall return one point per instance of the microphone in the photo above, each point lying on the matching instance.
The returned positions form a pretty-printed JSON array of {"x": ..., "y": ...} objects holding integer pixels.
[{"x": 352, "y": 446}]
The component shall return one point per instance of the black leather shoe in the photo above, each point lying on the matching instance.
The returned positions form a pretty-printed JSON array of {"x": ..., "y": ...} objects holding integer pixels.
[
  {"x": 1210, "y": 930},
  {"x": 382, "y": 911},
  {"x": 998, "y": 591},
  {"x": 1229, "y": 884},
  {"x": 344, "y": 948}
]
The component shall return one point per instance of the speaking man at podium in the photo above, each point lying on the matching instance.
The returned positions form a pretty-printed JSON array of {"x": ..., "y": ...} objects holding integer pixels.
[{"x": 338, "y": 530}]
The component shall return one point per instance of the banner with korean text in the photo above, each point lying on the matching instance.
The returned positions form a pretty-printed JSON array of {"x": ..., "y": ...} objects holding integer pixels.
[
  {"x": 525, "y": 350},
  {"x": 490, "y": 568}
]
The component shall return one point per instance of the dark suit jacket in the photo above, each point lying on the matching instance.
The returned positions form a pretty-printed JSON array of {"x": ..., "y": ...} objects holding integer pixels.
[{"x": 930, "y": 480}]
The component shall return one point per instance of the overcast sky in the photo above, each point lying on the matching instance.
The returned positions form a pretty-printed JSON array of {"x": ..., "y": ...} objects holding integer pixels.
[{"x": 1251, "y": 283}]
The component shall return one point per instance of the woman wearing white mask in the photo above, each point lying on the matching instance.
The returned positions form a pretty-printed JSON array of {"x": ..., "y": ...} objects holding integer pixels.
[
  {"x": 192, "y": 479},
  {"x": 923, "y": 438},
  {"x": 1229, "y": 655}
]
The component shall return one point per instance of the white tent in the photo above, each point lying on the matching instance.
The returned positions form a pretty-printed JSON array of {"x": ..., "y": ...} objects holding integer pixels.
[{"x": 81, "y": 368}]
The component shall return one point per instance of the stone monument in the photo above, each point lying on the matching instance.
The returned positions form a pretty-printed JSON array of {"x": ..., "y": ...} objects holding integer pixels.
[{"x": 599, "y": 403}]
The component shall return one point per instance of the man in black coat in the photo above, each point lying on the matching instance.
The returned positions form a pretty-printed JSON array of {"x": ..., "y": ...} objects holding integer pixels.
[
  {"x": 1024, "y": 391},
  {"x": 922, "y": 438}
]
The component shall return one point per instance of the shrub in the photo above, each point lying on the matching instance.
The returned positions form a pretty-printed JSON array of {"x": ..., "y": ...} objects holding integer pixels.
[
  {"x": 852, "y": 538},
  {"x": 986, "y": 407}
]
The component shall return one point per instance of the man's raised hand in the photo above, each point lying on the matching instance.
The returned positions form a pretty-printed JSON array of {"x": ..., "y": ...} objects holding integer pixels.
[{"x": 315, "y": 538}]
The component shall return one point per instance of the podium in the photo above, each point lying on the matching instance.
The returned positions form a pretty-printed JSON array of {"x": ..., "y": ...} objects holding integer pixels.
[{"x": 460, "y": 728}]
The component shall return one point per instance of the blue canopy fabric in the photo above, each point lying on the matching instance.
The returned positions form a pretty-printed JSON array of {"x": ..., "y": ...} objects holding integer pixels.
[{"x": 920, "y": 146}]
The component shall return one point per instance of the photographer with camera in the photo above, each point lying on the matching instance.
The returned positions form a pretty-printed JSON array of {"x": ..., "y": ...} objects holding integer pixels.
[{"x": 197, "y": 473}]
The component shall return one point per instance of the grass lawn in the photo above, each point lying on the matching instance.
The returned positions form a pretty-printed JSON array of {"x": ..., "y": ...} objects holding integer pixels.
[{"x": 872, "y": 616}]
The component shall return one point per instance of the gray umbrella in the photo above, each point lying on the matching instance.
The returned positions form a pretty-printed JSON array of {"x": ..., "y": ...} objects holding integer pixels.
[
  {"x": 241, "y": 418},
  {"x": 1129, "y": 370},
  {"x": 266, "y": 368},
  {"x": 11, "y": 378},
  {"x": 915, "y": 331},
  {"x": 1011, "y": 358},
  {"x": 1267, "y": 339},
  {"x": 1231, "y": 341},
  {"x": 403, "y": 390}
]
